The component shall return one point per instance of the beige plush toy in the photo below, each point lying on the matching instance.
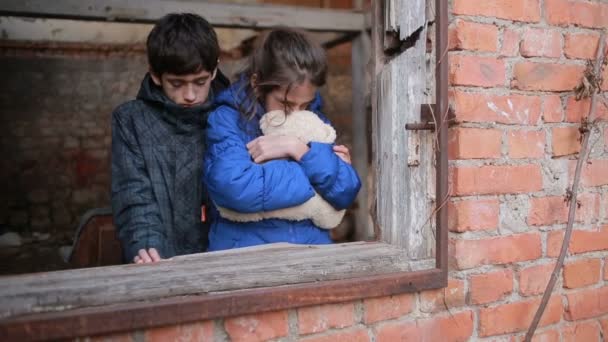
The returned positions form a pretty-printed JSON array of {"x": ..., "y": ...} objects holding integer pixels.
[{"x": 307, "y": 127}]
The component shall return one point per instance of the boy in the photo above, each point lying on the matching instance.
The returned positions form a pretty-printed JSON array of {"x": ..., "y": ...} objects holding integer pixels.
[{"x": 157, "y": 143}]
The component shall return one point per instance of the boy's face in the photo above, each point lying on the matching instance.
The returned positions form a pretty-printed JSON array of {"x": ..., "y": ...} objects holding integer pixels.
[{"x": 186, "y": 90}]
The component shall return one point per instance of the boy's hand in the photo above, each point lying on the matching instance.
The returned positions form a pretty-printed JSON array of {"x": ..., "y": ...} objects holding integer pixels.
[
  {"x": 342, "y": 152},
  {"x": 145, "y": 257},
  {"x": 269, "y": 147}
]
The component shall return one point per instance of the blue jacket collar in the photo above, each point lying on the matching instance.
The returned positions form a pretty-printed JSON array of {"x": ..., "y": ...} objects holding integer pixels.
[{"x": 235, "y": 97}]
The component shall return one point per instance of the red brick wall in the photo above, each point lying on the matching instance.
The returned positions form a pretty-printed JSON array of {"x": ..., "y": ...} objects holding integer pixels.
[
  {"x": 55, "y": 110},
  {"x": 513, "y": 65}
]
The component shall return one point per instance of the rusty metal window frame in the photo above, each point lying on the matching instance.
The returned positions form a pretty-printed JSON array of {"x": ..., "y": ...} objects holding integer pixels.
[{"x": 175, "y": 310}]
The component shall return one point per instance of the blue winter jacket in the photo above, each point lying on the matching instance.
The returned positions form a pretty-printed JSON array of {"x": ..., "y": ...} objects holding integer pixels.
[{"x": 234, "y": 181}]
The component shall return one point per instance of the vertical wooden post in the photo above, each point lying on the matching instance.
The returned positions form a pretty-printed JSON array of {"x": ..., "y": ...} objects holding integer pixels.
[
  {"x": 360, "y": 56},
  {"x": 404, "y": 159}
]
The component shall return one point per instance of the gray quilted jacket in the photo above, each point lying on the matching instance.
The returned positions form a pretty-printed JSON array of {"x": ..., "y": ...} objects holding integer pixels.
[{"x": 157, "y": 193}]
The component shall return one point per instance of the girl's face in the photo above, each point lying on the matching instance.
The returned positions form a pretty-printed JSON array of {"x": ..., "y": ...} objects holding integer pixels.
[{"x": 298, "y": 98}]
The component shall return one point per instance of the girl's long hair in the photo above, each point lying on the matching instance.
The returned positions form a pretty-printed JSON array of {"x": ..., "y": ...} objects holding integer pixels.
[{"x": 282, "y": 57}]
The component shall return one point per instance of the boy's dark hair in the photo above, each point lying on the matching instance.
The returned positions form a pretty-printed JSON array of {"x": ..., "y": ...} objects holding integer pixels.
[
  {"x": 182, "y": 43},
  {"x": 283, "y": 57}
]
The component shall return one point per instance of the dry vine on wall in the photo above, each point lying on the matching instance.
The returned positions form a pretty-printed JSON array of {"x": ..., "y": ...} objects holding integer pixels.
[{"x": 590, "y": 87}]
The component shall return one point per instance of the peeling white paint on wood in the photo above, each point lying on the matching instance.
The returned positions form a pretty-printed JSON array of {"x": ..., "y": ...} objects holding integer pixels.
[{"x": 405, "y": 172}]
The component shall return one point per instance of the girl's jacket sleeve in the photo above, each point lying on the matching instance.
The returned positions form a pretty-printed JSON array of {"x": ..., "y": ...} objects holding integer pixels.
[
  {"x": 234, "y": 181},
  {"x": 334, "y": 179}
]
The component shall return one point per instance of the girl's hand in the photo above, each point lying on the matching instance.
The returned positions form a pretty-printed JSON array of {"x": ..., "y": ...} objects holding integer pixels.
[
  {"x": 342, "y": 152},
  {"x": 269, "y": 147}
]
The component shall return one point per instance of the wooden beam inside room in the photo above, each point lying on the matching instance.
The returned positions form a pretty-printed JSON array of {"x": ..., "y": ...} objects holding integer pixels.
[{"x": 219, "y": 14}]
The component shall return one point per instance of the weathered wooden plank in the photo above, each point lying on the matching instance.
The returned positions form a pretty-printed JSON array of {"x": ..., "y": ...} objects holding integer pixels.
[
  {"x": 283, "y": 264},
  {"x": 105, "y": 32},
  {"x": 218, "y": 14},
  {"x": 131, "y": 316},
  {"x": 404, "y": 204},
  {"x": 404, "y": 17}
]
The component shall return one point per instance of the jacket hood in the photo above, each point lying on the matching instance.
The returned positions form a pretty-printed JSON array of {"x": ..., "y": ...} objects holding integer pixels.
[
  {"x": 181, "y": 117},
  {"x": 235, "y": 97}
]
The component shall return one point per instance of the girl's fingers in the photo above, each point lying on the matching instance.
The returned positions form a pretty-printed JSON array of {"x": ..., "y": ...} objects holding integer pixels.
[
  {"x": 341, "y": 148},
  {"x": 252, "y": 142}
]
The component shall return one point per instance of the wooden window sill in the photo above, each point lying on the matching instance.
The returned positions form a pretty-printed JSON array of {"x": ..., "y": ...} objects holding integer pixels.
[{"x": 197, "y": 287}]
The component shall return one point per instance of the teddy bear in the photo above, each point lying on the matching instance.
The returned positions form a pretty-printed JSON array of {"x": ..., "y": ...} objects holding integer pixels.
[{"x": 308, "y": 127}]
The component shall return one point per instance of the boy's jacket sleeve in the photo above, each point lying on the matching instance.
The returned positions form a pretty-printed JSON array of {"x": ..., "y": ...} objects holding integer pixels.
[
  {"x": 134, "y": 207},
  {"x": 234, "y": 181}
]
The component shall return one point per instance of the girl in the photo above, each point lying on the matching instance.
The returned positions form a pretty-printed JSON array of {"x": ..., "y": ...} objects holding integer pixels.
[{"x": 247, "y": 172}]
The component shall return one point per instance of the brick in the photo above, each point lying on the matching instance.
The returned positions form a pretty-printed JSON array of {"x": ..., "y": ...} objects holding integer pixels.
[
  {"x": 358, "y": 335},
  {"x": 18, "y": 218},
  {"x": 385, "y": 308},
  {"x": 474, "y": 143},
  {"x": 484, "y": 107},
  {"x": 581, "y": 45},
  {"x": 200, "y": 331},
  {"x": 257, "y": 327},
  {"x": 38, "y": 196},
  {"x": 581, "y": 273},
  {"x": 517, "y": 10},
  {"x": 584, "y": 331},
  {"x": 541, "y": 43},
  {"x": 554, "y": 243},
  {"x": 606, "y": 271},
  {"x": 606, "y": 139},
  {"x": 455, "y": 328},
  {"x": 473, "y": 215},
  {"x": 595, "y": 173},
  {"x": 446, "y": 298},
  {"x": 603, "y": 217},
  {"x": 315, "y": 319},
  {"x": 126, "y": 337},
  {"x": 526, "y": 144},
  {"x": 340, "y": 4},
  {"x": 468, "y": 35},
  {"x": 510, "y": 43},
  {"x": 495, "y": 251},
  {"x": 477, "y": 71},
  {"x": 588, "y": 209},
  {"x": 546, "y": 76},
  {"x": 399, "y": 331},
  {"x": 533, "y": 280},
  {"x": 550, "y": 335},
  {"x": 552, "y": 109},
  {"x": 583, "y": 241},
  {"x": 490, "y": 287},
  {"x": 496, "y": 179},
  {"x": 588, "y": 303},
  {"x": 576, "y": 12},
  {"x": 576, "y": 110},
  {"x": 545, "y": 211},
  {"x": 604, "y": 324},
  {"x": 515, "y": 317}
]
